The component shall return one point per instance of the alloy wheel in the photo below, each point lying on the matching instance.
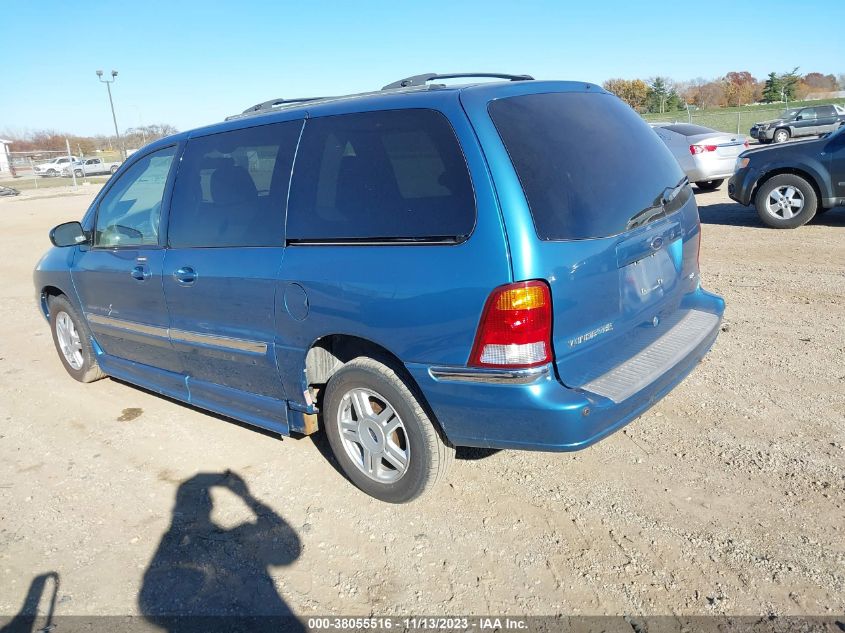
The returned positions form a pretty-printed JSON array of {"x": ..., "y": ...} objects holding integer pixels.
[
  {"x": 373, "y": 435},
  {"x": 69, "y": 341},
  {"x": 784, "y": 202}
]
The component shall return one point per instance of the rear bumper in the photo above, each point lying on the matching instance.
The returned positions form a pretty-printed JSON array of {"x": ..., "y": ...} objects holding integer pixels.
[
  {"x": 544, "y": 414},
  {"x": 711, "y": 168}
]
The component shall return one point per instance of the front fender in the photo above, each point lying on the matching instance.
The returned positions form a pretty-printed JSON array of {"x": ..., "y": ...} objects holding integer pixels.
[
  {"x": 53, "y": 271},
  {"x": 813, "y": 168}
]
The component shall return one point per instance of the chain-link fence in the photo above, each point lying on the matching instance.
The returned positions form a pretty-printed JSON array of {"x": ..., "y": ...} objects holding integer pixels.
[{"x": 734, "y": 120}]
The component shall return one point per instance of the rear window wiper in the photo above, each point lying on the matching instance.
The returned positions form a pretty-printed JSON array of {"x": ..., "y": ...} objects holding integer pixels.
[
  {"x": 657, "y": 209},
  {"x": 670, "y": 193}
]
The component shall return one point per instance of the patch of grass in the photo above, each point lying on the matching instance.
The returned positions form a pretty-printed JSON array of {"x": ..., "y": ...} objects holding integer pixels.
[
  {"x": 29, "y": 183},
  {"x": 733, "y": 119}
]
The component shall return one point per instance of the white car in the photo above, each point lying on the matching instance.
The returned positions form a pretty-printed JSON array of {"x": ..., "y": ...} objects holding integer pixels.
[
  {"x": 55, "y": 166},
  {"x": 707, "y": 156}
]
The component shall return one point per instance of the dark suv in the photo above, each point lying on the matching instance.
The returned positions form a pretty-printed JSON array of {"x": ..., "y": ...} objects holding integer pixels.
[
  {"x": 425, "y": 267},
  {"x": 790, "y": 184},
  {"x": 799, "y": 122}
]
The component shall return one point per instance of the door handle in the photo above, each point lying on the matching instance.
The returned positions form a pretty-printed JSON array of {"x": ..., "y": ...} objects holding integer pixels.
[
  {"x": 185, "y": 275},
  {"x": 140, "y": 273}
]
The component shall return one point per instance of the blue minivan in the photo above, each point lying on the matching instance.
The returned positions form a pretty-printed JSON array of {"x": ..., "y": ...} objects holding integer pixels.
[{"x": 507, "y": 264}]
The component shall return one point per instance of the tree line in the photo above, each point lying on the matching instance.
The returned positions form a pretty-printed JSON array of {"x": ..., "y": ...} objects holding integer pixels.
[
  {"x": 52, "y": 140},
  {"x": 662, "y": 94}
]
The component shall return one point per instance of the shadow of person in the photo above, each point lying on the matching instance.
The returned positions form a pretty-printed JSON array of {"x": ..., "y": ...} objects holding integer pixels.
[
  {"x": 204, "y": 577},
  {"x": 25, "y": 620}
]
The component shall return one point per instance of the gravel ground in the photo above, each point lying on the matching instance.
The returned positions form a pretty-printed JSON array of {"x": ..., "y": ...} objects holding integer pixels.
[{"x": 728, "y": 497}]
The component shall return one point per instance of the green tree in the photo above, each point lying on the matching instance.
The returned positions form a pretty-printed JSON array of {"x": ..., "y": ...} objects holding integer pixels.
[
  {"x": 771, "y": 92},
  {"x": 662, "y": 96},
  {"x": 789, "y": 84}
]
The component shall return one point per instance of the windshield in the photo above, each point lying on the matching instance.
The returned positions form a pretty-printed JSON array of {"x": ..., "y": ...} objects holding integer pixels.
[
  {"x": 788, "y": 114},
  {"x": 589, "y": 165}
]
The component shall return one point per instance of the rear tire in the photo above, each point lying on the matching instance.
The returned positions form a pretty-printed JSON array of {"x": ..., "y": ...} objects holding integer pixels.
[
  {"x": 78, "y": 173},
  {"x": 786, "y": 201},
  {"x": 380, "y": 434},
  {"x": 781, "y": 136},
  {"x": 73, "y": 341},
  {"x": 709, "y": 185},
  {"x": 113, "y": 169}
]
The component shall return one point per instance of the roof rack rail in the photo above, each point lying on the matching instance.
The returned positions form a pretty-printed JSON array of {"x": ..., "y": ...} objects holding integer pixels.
[
  {"x": 421, "y": 80},
  {"x": 271, "y": 105}
]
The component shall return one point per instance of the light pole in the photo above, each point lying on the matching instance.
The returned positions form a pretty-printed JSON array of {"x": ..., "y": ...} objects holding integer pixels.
[{"x": 108, "y": 83}]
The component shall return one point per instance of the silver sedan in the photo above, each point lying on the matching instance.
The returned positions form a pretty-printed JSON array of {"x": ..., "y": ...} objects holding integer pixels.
[{"x": 706, "y": 156}]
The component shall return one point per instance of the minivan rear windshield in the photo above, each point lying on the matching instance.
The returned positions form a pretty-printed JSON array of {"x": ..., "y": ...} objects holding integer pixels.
[{"x": 588, "y": 164}]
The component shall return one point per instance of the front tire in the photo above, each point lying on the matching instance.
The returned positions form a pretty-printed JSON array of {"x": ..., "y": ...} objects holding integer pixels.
[
  {"x": 786, "y": 201},
  {"x": 78, "y": 173},
  {"x": 781, "y": 136},
  {"x": 381, "y": 435},
  {"x": 709, "y": 185},
  {"x": 73, "y": 341}
]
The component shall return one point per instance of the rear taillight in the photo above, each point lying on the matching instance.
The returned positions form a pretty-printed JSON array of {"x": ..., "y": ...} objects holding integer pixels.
[
  {"x": 700, "y": 149},
  {"x": 515, "y": 328},
  {"x": 746, "y": 145}
]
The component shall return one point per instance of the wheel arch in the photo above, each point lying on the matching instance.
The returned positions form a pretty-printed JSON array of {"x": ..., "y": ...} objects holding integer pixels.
[
  {"x": 795, "y": 171},
  {"x": 46, "y": 293},
  {"x": 328, "y": 353}
]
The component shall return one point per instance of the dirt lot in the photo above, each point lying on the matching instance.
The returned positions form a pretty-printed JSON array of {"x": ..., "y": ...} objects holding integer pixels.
[{"x": 727, "y": 497}]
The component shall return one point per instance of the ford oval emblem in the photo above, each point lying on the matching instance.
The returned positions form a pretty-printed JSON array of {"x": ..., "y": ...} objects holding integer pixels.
[{"x": 656, "y": 243}]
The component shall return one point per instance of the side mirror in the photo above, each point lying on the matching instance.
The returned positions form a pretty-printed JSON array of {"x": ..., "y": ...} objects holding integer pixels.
[
  {"x": 799, "y": 118},
  {"x": 68, "y": 234}
]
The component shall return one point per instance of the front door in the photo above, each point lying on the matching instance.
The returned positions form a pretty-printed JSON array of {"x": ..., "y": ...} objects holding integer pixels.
[
  {"x": 118, "y": 278},
  {"x": 225, "y": 248}
]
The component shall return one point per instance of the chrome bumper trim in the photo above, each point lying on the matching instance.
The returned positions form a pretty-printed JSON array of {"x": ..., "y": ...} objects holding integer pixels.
[{"x": 478, "y": 374}]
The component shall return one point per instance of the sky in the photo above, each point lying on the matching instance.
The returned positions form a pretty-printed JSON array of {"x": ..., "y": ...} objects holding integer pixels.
[{"x": 190, "y": 63}]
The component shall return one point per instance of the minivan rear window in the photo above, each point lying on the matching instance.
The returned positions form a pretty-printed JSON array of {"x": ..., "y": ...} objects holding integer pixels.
[{"x": 588, "y": 164}]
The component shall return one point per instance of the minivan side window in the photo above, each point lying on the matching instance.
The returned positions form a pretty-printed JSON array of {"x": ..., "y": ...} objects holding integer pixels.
[
  {"x": 129, "y": 213},
  {"x": 231, "y": 188},
  {"x": 380, "y": 176}
]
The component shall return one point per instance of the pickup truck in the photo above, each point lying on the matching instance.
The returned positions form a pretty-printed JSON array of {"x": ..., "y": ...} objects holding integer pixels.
[
  {"x": 55, "y": 166},
  {"x": 90, "y": 167},
  {"x": 797, "y": 122}
]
